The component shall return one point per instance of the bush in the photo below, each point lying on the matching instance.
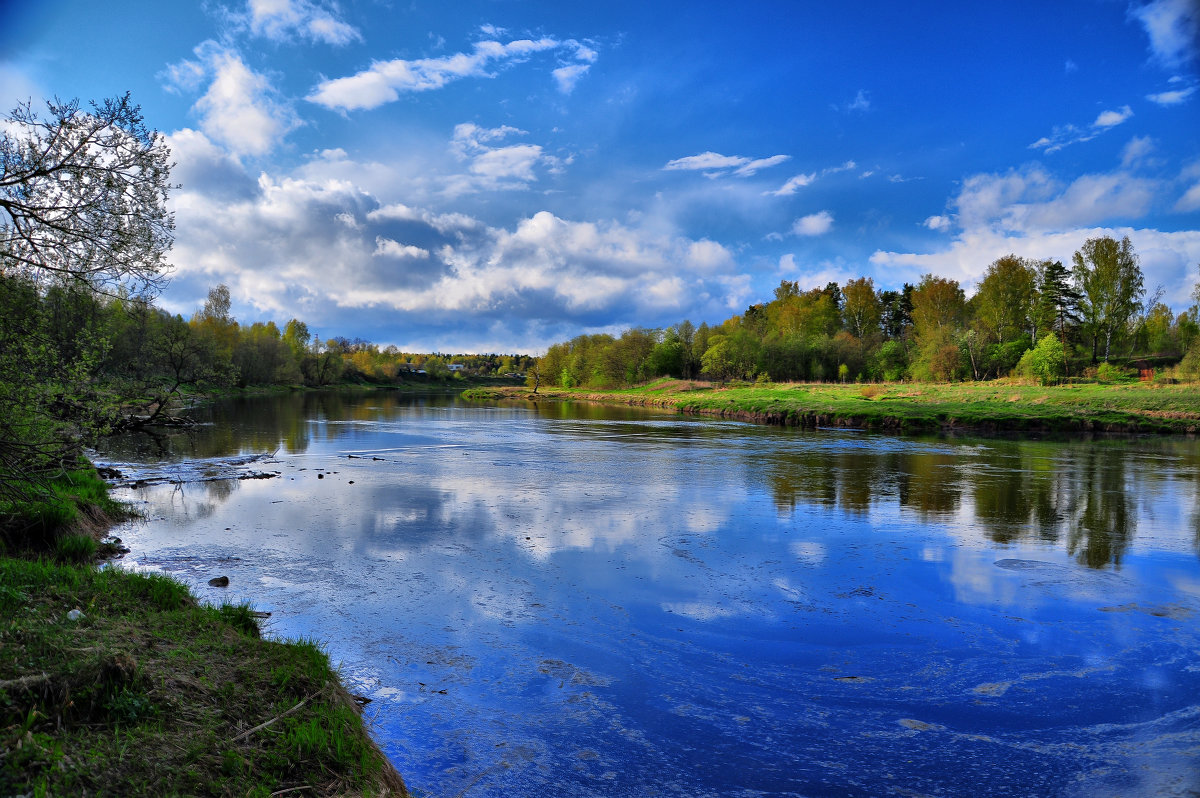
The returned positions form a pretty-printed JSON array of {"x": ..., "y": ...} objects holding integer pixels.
[
  {"x": 1189, "y": 367},
  {"x": 1045, "y": 362},
  {"x": 1107, "y": 372}
]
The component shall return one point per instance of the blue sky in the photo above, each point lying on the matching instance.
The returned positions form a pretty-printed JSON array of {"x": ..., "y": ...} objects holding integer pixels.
[{"x": 499, "y": 175}]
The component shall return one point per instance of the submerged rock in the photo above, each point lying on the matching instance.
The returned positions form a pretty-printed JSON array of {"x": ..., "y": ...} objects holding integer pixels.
[{"x": 219, "y": 581}]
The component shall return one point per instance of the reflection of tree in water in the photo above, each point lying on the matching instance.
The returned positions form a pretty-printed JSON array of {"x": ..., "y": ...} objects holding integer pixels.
[
  {"x": 930, "y": 482},
  {"x": 219, "y": 490},
  {"x": 1084, "y": 495},
  {"x": 843, "y": 479},
  {"x": 1105, "y": 520},
  {"x": 1021, "y": 490}
]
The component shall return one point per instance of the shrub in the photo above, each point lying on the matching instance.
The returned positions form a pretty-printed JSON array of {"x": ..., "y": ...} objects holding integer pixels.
[
  {"x": 1107, "y": 372},
  {"x": 1044, "y": 362}
]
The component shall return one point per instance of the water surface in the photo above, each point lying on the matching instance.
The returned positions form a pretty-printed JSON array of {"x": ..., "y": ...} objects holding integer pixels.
[{"x": 554, "y": 600}]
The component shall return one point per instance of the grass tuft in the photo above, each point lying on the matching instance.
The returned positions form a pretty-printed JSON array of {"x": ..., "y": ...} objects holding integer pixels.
[{"x": 149, "y": 692}]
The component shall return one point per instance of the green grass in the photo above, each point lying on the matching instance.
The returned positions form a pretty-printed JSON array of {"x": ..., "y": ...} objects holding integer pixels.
[
  {"x": 72, "y": 503},
  {"x": 115, "y": 683},
  {"x": 996, "y": 406},
  {"x": 150, "y": 693}
]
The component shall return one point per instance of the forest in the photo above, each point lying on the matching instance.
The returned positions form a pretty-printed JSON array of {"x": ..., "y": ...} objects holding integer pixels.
[{"x": 1038, "y": 320}]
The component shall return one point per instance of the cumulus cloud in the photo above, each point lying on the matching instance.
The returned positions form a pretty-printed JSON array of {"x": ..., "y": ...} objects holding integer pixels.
[
  {"x": 385, "y": 81},
  {"x": 1032, "y": 213},
  {"x": 814, "y": 224},
  {"x": 714, "y": 164},
  {"x": 1173, "y": 27},
  {"x": 280, "y": 20},
  {"x": 386, "y": 247},
  {"x": 494, "y": 167},
  {"x": 1031, "y": 199},
  {"x": 240, "y": 108},
  {"x": 1167, "y": 258},
  {"x": 326, "y": 251},
  {"x": 938, "y": 223}
]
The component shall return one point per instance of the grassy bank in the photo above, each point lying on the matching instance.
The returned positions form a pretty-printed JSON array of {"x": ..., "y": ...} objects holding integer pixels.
[
  {"x": 115, "y": 683},
  {"x": 989, "y": 406}
]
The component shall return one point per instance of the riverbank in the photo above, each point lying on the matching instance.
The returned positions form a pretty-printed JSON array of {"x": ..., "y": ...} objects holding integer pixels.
[
  {"x": 998, "y": 406},
  {"x": 118, "y": 683}
]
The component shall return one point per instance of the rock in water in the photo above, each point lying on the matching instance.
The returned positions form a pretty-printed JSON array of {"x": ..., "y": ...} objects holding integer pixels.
[{"x": 219, "y": 581}]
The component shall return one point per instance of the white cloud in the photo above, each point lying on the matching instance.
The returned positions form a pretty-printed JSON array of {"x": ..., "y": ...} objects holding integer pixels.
[
  {"x": 325, "y": 251},
  {"x": 1167, "y": 258},
  {"x": 754, "y": 166},
  {"x": 16, "y": 85},
  {"x": 1031, "y": 213},
  {"x": 492, "y": 167},
  {"x": 938, "y": 223},
  {"x": 706, "y": 160},
  {"x": 568, "y": 76},
  {"x": 814, "y": 224},
  {"x": 515, "y": 162},
  {"x": 386, "y": 247},
  {"x": 1173, "y": 97},
  {"x": 240, "y": 109},
  {"x": 714, "y": 164},
  {"x": 861, "y": 102},
  {"x": 793, "y": 184},
  {"x": 1109, "y": 119},
  {"x": 385, "y": 81},
  {"x": 279, "y": 20},
  {"x": 1173, "y": 27},
  {"x": 1190, "y": 201},
  {"x": 1066, "y": 135},
  {"x": 1032, "y": 200},
  {"x": 1138, "y": 148}
]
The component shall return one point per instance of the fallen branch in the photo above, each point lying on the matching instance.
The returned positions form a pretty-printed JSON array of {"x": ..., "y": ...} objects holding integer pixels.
[
  {"x": 25, "y": 682},
  {"x": 262, "y": 726}
]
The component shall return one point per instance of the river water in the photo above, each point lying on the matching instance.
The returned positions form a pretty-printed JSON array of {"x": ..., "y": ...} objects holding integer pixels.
[{"x": 557, "y": 600}]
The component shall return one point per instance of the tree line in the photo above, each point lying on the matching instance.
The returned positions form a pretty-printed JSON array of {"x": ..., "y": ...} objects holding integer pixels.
[{"x": 1038, "y": 319}]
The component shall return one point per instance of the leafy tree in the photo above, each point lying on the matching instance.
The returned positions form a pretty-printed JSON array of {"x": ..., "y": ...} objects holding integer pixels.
[
  {"x": 1057, "y": 301},
  {"x": 938, "y": 309},
  {"x": 82, "y": 209},
  {"x": 83, "y": 196},
  {"x": 1004, "y": 303},
  {"x": 896, "y": 308},
  {"x": 861, "y": 308},
  {"x": 1109, "y": 281}
]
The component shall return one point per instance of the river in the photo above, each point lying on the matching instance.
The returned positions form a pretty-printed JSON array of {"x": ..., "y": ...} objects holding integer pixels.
[{"x": 573, "y": 600}]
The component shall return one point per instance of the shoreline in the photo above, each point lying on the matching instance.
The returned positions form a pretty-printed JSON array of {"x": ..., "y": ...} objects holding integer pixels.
[
  {"x": 103, "y": 660},
  {"x": 988, "y": 408}
]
